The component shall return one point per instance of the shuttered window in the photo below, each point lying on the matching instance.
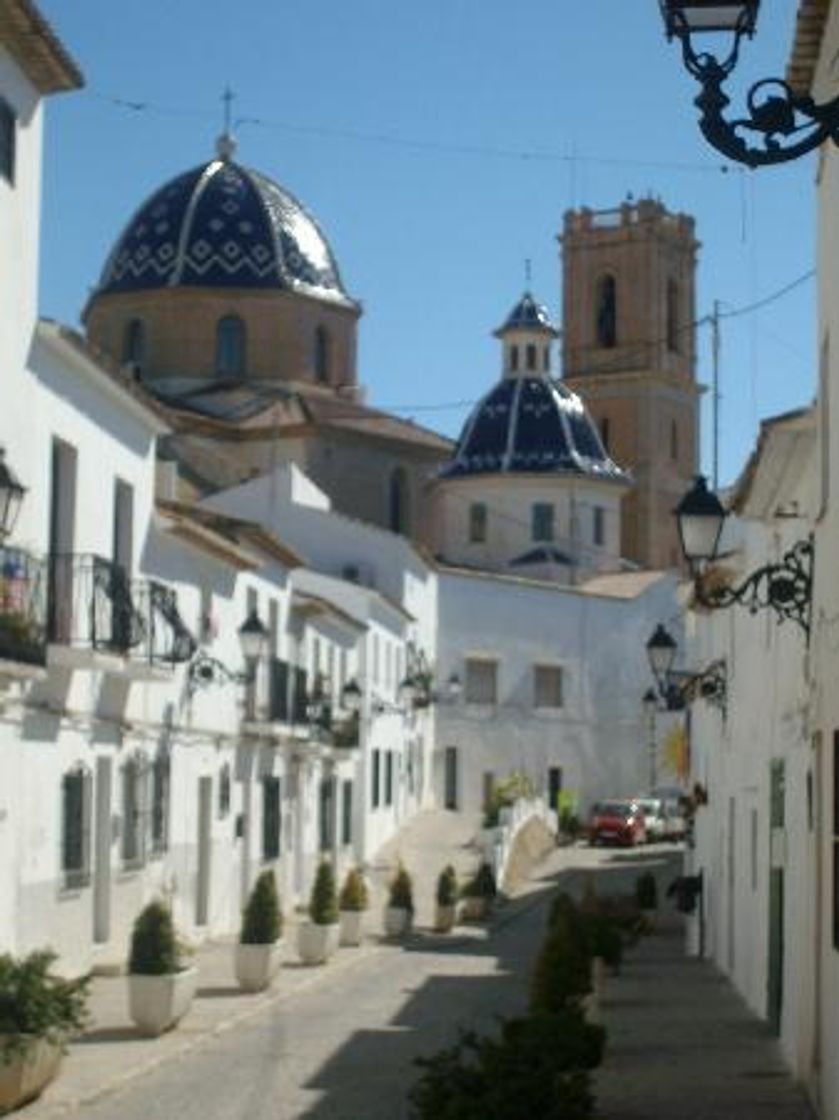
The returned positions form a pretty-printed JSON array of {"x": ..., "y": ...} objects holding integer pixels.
[
  {"x": 346, "y": 812},
  {"x": 481, "y": 681},
  {"x": 547, "y": 686},
  {"x": 135, "y": 811},
  {"x": 389, "y": 778},
  {"x": 8, "y": 129},
  {"x": 76, "y": 797},
  {"x": 271, "y": 818},
  {"x": 160, "y": 779},
  {"x": 374, "y": 778}
]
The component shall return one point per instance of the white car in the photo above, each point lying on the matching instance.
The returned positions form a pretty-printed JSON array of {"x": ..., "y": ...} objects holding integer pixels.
[{"x": 655, "y": 817}]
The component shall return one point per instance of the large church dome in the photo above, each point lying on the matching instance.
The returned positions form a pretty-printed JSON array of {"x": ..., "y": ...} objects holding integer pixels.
[
  {"x": 531, "y": 424},
  {"x": 222, "y": 225}
]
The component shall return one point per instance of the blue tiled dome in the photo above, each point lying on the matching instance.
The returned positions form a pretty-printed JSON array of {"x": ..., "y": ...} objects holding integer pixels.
[
  {"x": 223, "y": 225},
  {"x": 532, "y": 424}
]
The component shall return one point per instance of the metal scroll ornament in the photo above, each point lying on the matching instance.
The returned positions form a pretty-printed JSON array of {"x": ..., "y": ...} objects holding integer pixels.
[{"x": 785, "y": 587}]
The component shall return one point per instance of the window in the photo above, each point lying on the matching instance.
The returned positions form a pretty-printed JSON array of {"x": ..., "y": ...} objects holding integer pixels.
[
  {"x": 388, "y": 777},
  {"x": 606, "y": 305},
  {"x": 346, "y": 813},
  {"x": 605, "y": 433},
  {"x": 322, "y": 355},
  {"x": 481, "y": 681},
  {"x": 374, "y": 787},
  {"x": 76, "y": 787},
  {"x": 134, "y": 344},
  {"x": 134, "y": 781},
  {"x": 327, "y": 801},
  {"x": 514, "y": 358},
  {"x": 547, "y": 686},
  {"x": 8, "y": 127},
  {"x": 542, "y": 521},
  {"x": 598, "y": 530},
  {"x": 398, "y": 517},
  {"x": 477, "y": 522},
  {"x": 530, "y": 356},
  {"x": 824, "y": 422},
  {"x": 546, "y": 359},
  {"x": 224, "y": 790},
  {"x": 672, "y": 316},
  {"x": 674, "y": 440},
  {"x": 160, "y": 782},
  {"x": 375, "y": 658},
  {"x": 271, "y": 818},
  {"x": 230, "y": 347}
]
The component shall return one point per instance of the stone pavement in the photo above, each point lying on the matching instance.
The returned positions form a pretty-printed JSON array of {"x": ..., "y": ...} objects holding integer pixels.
[{"x": 681, "y": 1043}]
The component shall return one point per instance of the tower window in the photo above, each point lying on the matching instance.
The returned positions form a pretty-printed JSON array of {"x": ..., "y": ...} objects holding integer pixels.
[
  {"x": 322, "y": 355},
  {"x": 134, "y": 344},
  {"x": 542, "y": 521},
  {"x": 398, "y": 501},
  {"x": 477, "y": 523},
  {"x": 607, "y": 312},
  {"x": 514, "y": 358},
  {"x": 8, "y": 125},
  {"x": 546, "y": 359},
  {"x": 672, "y": 316},
  {"x": 531, "y": 356},
  {"x": 605, "y": 433},
  {"x": 230, "y": 347}
]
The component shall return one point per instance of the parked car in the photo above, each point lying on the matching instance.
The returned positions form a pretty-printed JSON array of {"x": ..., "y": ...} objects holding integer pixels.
[
  {"x": 617, "y": 821},
  {"x": 655, "y": 817},
  {"x": 675, "y": 825}
]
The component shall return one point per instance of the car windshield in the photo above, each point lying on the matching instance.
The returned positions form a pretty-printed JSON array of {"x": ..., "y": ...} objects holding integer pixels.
[
  {"x": 650, "y": 807},
  {"x": 614, "y": 808}
]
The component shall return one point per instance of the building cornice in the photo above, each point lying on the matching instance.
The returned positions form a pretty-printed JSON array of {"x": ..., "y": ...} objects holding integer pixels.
[{"x": 36, "y": 48}]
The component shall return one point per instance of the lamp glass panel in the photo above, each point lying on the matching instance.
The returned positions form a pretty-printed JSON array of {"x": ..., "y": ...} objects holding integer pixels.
[
  {"x": 700, "y": 535},
  {"x": 661, "y": 656},
  {"x": 710, "y": 15},
  {"x": 253, "y": 638}
]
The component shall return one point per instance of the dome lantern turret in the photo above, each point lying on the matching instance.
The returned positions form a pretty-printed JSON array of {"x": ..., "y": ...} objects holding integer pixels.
[{"x": 526, "y": 337}]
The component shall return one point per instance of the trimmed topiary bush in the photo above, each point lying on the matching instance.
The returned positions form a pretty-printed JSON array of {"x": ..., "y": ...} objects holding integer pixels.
[
  {"x": 354, "y": 895},
  {"x": 482, "y": 884},
  {"x": 323, "y": 902},
  {"x": 36, "y": 1004},
  {"x": 562, "y": 973},
  {"x": 154, "y": 945},
  {"x": 646, "y": 891},
  {"x": 262, "y": 921},
  {"x": 447, "y": 887},
  {"x": 401, "y": 895}
]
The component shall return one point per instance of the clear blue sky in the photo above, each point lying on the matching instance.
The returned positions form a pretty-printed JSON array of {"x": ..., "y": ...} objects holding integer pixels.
[{"x": 438, "y": 144}]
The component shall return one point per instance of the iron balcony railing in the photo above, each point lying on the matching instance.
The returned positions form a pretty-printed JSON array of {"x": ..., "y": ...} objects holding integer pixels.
[
  {"x": 93, "y": 604},
  {"x": 23, "y": 600}
]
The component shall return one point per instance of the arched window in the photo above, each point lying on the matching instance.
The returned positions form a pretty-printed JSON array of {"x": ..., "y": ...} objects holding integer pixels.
[
  {"x": 605, "y": 433},
  {"x": 322, "y": 355},
  {"x": 672, "y": 316},
  {"x": 399, "y": 513},
  {"x": 546, "y": 359},
  {"x": 514, "y": 358},
  {"x": 606, "y": 312},
  {"x": 134, "y": 344},
  {"x": 230, "y": 347},
  {"x": 530, "y": 355}
]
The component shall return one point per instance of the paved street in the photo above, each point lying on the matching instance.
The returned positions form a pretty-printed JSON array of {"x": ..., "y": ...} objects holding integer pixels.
[{"x": 339, "y": 1043}]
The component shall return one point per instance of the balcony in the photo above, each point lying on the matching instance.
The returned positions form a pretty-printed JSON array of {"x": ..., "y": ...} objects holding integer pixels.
[
  {"x": 98, "y": 618},
  {"x": 23, "y": 598}
]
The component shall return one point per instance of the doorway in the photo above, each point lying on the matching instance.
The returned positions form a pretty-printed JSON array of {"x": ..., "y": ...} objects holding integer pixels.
[
  {"x": 450, "y": 791},
  {"x": 775, "y": 962},
  {"x": 205, "y": 821},
  {"x": 62, "y": 533},
  {"x": 102, "y": 853},
  {"x": 554, "y": 787}
]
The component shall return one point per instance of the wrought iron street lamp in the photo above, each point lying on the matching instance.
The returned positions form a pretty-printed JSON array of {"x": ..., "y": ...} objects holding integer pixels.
[
  {"x": 351, "y": 696},
  {"x": 649, "y": 702},
  {"x": 678, "y": 687},
  {"x": 205, "y": 670},
  {"x": 253, "y": 638},
  {"x": 11, "y": 498},
  {"x": 786, "y": 124},
  {"x": 785, "y": 586}
]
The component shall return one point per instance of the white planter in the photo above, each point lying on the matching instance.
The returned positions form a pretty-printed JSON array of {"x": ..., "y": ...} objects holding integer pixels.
[
  {"x": 444, "y": 918},
  {"x": 24, "y": 1076},
  {"x": 156, "y": 1003},
  {"x": 315, "y": 943},
  {"x": 351, "y": 922},
  {"x": 257, "y": 965},
  {"x": 398, "y": 921}
]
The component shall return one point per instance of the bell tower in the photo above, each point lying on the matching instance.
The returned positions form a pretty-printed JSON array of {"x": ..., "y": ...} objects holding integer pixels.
[{"x": 628, "y": 350}]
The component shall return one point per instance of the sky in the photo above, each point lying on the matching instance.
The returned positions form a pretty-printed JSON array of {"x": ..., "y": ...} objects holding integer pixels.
[{"x": 438, "y": 145}]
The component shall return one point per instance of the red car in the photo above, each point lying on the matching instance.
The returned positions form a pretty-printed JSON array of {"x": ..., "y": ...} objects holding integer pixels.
[{"x": 617, "y": 822}]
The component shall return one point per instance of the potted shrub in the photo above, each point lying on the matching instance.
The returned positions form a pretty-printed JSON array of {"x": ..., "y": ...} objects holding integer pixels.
[
  {"x": 38, "y": 1010},
  {"x": 318, "y": 938},
  {"x": 352, "y": 903},
  {"x": 446, "y": 900},
  {"x": 399, "y": 913},
  {"x": 258, "y": 951},
  {"x": 479, "y": 894},
  {"x": 646, "y": 895},
  {"x": 160, "y": 986}
]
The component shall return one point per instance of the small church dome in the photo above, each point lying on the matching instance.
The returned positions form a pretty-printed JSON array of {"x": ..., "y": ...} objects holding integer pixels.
[
  {"x": 528, "y": 315},
  {"x": 222, "y": 225},
  {"x": 534, "y": 425}
]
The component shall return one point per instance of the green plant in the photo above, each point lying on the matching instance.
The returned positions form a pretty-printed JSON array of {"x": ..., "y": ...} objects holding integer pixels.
[
  {"x": 504, "y": 794},
  {"x": 401, "y": 891},
  {"x": 562, "y": 973},
  {"x": 155, "y": 950},
  {"x": 482, "y": 884},
  {"x": 646, "y": 891},
  {"x": 262, "y": 921},
  {"x": 323, "y": 903},
  {"x": 34, "y": 1003},
  {"x": 354, "y": 894},
  {"x": 605, "y": 939},
  {"x": 447, "y": 887}
]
